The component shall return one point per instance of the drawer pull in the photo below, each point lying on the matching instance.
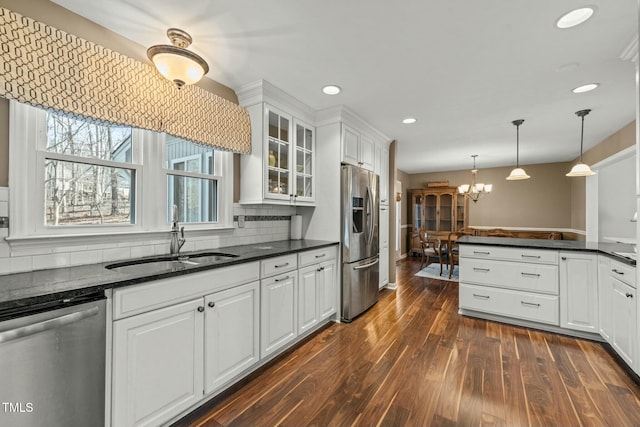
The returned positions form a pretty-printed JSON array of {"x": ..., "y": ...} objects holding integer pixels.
[
  {"x": 617, "y": 271},
  {"x": 321, "y": 256},
  {"x": 530, "y": 274},
  {"x": 530, "y": 304},
  {"x": 281, "y": 265},
  {"x": 481, "y": 296},
  {"x": 531, "y": 256},
  {"x": 629, "y": 295},
  {"x": 480, "y": 269},
  {"x": 281, "y": 279},
  {"x": 481, "y": 253}
]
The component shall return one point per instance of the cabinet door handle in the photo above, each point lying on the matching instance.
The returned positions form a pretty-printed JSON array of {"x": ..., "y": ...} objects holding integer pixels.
[
  {"x": 320, "y": 269},
  {"x": 531, "y": 256},
  {"x": 480, "y": 269},
  {"x": 618, "y": 272},
  {"x": 564, "y": 258},
  {"x": 281, "y": 265},
  {"x": 530, "y": 274},
  {"x": 481, "y": 296},
  {"x": 211, "y": 304},
  {"x": 280, "y": 279},
  {"x": 530, "y": 304},
  {"x": 481, "y": 253},
  {"x": 629, "y": 295},
  {"x": 321, "y": 256},
  {"x": 200, "y": 309}
]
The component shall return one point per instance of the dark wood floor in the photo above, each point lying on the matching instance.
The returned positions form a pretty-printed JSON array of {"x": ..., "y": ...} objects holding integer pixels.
[{"x": 413, "y": 361}]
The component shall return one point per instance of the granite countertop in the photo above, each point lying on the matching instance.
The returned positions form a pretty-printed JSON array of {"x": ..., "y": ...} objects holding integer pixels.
[
  {"x": 609, "y": 249},
  {"x": 42, "y": 286}
]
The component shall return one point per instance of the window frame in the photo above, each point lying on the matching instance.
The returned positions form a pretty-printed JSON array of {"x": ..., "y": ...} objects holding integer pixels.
[{"x": 27, "y": 148}]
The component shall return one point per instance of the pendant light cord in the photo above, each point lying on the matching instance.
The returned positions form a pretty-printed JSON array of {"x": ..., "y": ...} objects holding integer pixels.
[
  {"x": 517, "y": 146},
  {"x": 581, "y": 137}
]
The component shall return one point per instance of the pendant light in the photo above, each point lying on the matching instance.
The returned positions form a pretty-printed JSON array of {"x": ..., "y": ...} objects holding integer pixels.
[
  {"x": 518, "y": 173},
  {"x": 175, "y": 62},
  {"x": 581, "y": 169}
]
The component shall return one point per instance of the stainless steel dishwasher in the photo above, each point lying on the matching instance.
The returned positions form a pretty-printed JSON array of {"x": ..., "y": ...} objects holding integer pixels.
[{"x": 52, "y": 364}]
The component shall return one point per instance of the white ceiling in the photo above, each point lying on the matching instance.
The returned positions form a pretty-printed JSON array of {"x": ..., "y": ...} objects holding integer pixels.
[{"x": 464, "y": 68}]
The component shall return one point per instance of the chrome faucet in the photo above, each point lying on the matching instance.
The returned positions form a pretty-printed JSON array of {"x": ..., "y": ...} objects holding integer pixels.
[{"x": 177, "y": 234}]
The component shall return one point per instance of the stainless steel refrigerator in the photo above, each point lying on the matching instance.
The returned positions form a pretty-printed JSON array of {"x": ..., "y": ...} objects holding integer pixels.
[{"x": 359, "y": 235}]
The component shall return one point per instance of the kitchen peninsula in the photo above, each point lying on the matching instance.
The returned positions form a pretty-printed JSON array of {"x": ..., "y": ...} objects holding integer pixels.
[{"x": 583, "y": 289}]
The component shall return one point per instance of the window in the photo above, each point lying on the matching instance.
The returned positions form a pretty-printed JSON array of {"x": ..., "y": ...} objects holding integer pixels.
[{"x": 81, "y": 177}]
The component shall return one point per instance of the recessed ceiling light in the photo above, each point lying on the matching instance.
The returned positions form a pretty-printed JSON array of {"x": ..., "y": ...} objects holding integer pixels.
[
  {"x": 331, "y": 89},
  {"x": 575, "y": 17},
  {"x": 585, "y": 88},
  {"x": 409, "y": 120}
]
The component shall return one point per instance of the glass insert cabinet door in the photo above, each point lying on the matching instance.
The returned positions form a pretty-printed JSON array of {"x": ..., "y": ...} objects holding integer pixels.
[
  {"x": 279, "y": 147},
  {"x": 304, "y": 152}
]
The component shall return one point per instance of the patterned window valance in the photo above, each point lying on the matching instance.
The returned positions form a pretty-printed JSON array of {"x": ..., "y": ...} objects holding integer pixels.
[{"x": 46, "y": 67}]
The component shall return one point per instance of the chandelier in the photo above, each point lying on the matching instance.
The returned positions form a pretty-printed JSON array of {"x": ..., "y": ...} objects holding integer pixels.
[{"x": 476, "y": 189}]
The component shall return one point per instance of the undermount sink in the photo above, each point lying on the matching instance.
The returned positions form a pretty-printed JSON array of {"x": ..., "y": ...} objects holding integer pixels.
[{"x": 168, "y": 262}]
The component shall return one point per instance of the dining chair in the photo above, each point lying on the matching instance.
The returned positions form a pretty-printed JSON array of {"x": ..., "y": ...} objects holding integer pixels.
[
  {"x": 430, "y": 247},
  {"x": 453, "y": 249}
]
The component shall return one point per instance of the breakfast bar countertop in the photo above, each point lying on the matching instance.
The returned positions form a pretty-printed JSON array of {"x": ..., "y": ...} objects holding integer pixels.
[
  {"x": 614, "y": 250},
  {"x": 43, "y": 286}
]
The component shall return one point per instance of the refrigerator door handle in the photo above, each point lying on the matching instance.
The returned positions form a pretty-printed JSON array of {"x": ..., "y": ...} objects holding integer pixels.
[
  {"x": 369, "y": 216},
  {"x": 360, "y": 267}
]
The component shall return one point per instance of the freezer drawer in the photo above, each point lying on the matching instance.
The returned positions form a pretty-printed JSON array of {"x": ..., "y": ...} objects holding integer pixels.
[{"x": 359, "y": 287}]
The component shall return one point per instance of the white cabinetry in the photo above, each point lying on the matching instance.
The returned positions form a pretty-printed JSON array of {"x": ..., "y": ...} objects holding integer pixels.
[
  {"x": 512, "y": 282},
  {"x": 317, "y": 290},
  {"x": 605, "y": 295},
  {"x": 232, "y": 340},
  {"x": 620, "y": 307},
  {"x": 157, "y": 364},
  {"x": 357, "y": 149},
  {"x": 170, "y": 346},
  {"x": 281, "y": 166},
  {"x": 579, "y": 291},
  {"x": 279, "y": 305},
  {"x": 382, "y": 169},
  {"x": 384, "y": 246}
]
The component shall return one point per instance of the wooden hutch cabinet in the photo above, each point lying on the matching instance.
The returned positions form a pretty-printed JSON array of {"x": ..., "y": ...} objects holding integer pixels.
[{"x": 439, "y": 210}]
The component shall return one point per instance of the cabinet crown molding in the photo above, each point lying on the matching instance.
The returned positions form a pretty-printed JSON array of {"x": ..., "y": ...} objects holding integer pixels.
[
  {"x": 263, "y": 91},
  {"x": 342, "y": 114}
]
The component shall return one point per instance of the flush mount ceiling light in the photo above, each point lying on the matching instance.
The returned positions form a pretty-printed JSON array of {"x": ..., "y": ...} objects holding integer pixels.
[
  {"x": 331, "y": 90},
  {"x": 175, "y": 62},
  {"x": 575, "y": 17},
  {"x": 409, "y": 121},
  {"x": 518, "y": 173},
  {"x": 585, "y": 88},
  {"x": 475, "y": 190},
  {"x": 581, "y": 169}
]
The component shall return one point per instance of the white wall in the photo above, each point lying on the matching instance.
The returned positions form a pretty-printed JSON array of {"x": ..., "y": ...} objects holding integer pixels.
[{"x": 617, "y": 198}]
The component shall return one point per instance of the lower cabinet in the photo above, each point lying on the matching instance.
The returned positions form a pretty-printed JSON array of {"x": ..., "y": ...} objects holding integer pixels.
[
  {"x": 278, "y": 316},
  {"x": 316, "y": 294},
  {"x": 384, "y": 247},
  {"x": 623, "y": 333},
  {"x": 157, "y": 364},
  {"x": 605, "y": 295},
  {"x": 231, "y": 340},
  {"x": 579, "y": 291}
]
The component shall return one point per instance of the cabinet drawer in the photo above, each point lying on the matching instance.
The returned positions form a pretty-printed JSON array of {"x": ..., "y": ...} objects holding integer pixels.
[
  {"x": 316, "y": 256},
  {"x": 623, "y": 272},
  {"x": 509, "y": 274},
  {"x": 516, "y": 304},
  {"x": 164, "y": 292},
  {"x": 278, "y": 265},
  {"x": 538, "y": 256}
]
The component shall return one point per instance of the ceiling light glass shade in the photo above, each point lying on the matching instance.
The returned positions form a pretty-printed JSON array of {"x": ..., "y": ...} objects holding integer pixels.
[
  {"x": 409, "y": 120},
  {"x": 585, "y": 88},
  {"x": 517, "y": 174},
  {"x": 463, "y": 188},
  {"x": 175, "y": 62},
  {"x": 331, "y": 90},
  {"x": 575, "y": 17},
  {"x": 581, "y": 169}
]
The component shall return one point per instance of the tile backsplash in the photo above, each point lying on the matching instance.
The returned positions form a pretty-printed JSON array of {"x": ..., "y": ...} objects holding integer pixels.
[{"x": 262, "y": 224}]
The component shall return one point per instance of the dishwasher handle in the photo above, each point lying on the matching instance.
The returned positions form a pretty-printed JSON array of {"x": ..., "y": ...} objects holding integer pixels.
[{"x": 45, "y": 325}]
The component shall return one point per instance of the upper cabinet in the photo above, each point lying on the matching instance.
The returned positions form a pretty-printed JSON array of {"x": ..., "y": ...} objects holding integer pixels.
[
  {"x": 280, "y": 168},
  {"x": 357, "y": 149},
  {"x": 382, "y": 169}
]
